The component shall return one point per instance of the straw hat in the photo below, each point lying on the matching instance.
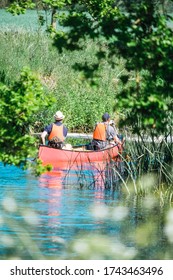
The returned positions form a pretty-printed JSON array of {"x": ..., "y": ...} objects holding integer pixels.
[{"x": 59, "y": 116}]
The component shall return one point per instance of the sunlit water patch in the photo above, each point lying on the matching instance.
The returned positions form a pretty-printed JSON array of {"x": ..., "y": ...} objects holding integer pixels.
[{"x": 41, "y": 216}]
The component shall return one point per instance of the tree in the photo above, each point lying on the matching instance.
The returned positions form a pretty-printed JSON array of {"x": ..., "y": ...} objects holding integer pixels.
[
  {"x": 139, "y": 32},
  {"x": 20, "y": 6},
  {"x": 19, "y": 102}
]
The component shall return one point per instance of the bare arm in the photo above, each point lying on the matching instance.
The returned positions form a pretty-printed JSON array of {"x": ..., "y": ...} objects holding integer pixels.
[
  {"x": 117, "y": 140},
  {"x": 43, "y": 137},
  {"x": 111, "y": 133}
]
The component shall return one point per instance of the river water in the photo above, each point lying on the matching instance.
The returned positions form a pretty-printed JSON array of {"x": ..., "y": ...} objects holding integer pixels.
[{"x": 56, "y": 215}]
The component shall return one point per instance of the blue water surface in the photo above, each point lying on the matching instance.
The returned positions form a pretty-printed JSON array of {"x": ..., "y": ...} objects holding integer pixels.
[
  {"x": 54, "y": 210},
  {"x": 62, "y": 204}
]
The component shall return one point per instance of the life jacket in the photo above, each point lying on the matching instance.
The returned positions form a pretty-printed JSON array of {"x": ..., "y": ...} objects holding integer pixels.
[
  {"x": 57, "y": 131},
  {"x": 100, "y": 132}
]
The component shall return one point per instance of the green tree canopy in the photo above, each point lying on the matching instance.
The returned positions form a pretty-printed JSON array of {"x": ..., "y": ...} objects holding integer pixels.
[
  {"x": 19, "y": 102},
  {"x": 140, "y": 32}
]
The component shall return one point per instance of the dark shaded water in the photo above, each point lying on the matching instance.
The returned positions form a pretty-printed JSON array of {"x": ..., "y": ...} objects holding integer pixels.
[{"x": 63, "y": 209}]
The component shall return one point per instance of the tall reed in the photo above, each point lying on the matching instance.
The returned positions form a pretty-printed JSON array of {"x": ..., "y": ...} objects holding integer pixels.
[{"x": 82, "y": 104}]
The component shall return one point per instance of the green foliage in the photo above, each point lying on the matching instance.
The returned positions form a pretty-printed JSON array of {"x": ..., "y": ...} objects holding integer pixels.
[
  {"x": 139, "y": 33},
  {"x": 82, "y": 104},
  {"x": 148, "y": 108},
  {"x": 144, "y": 156},
  {"x": 39, "y": 169},
  {"x": 19, "y": 7},
  {"x": 141, "y": 36},
  {"x": 56, "y": 3},
  {"x": 19, "y": 102}
]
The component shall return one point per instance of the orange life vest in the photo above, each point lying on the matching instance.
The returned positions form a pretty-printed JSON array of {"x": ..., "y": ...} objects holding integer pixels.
[
  {"x": 56, "y": 131},
  {"x": 100, "y": 132}
]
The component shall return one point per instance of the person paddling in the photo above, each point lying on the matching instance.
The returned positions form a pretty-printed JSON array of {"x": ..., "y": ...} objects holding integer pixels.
[
  {"x": 55, "y": 132},
  {"x": 104, "y": 133}
]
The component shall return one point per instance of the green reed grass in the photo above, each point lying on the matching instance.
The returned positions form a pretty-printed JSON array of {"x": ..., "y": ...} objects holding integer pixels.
[
  {"x": 82, "y": 104},
  {"x": 146, "y": 161}
]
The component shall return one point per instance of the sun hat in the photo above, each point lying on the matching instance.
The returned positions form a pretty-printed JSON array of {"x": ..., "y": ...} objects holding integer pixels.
[
  {"x": 105, "y": 117},
  {"x": 59, "y": 116}
]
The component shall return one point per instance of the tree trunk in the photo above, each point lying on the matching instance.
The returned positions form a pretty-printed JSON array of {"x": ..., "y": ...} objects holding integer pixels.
[{"x": 53, "y": 18}]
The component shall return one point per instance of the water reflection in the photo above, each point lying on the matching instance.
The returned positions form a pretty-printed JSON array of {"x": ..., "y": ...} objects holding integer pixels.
[
  {"x": 97, "y": 175},
  {"x": 71, "y": 204},
  {"x": 77, "y": 181},
  {"x": 71, "y": 195}
]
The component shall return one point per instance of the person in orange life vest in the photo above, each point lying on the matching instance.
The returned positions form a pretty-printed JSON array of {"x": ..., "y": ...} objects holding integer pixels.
[
  {"x": 56, "y": 132},
  {"x": 104, "y": 133}
]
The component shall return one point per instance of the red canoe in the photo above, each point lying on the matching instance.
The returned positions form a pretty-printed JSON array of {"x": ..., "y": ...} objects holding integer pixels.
[{"x": 58, "y": 157}]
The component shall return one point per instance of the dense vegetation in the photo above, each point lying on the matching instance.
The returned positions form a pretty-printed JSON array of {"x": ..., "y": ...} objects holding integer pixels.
[
  {"x": 124, "y": 55},
  {"x": 57, "y": 77},
  {"x": 121, "y": 52}
]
